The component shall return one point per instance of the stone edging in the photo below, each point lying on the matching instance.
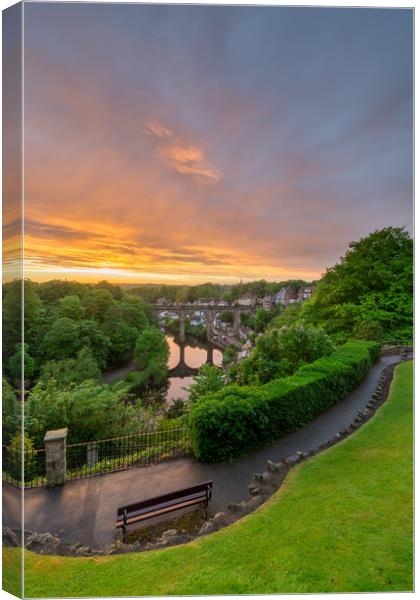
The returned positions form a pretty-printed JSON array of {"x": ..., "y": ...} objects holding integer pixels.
[{"x": 261, "y": 488}]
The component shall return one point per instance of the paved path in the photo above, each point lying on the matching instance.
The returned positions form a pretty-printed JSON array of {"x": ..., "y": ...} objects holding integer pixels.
[{"x": 84, "y": 510}]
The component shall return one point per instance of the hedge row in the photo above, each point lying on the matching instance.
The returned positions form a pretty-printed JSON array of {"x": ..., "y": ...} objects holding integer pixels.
[{"x": 237, "y": 419}]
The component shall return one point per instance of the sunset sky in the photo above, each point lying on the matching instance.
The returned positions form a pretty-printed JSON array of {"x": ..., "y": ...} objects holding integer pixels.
[{"x": 190, "y": 144}]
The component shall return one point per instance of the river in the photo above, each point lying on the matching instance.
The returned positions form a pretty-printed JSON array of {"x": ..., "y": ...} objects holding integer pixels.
[{"x": 195, "y": 355}]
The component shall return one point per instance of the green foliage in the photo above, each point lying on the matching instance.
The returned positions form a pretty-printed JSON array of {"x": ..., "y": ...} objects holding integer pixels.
[
  {"x": 151, "y": 346},
  {"x": 97, "y": 302},
  {"x": 62, "y": 340},
  {"x": 90, "y": 410},
  {"x": 70, "y": 371},
  {"x": 209, "y": 379},
  {"x": 280, "y": 352},
  {"x": 70, "y": 307},
  {"x": 226, "y": 316},
  {"x": 237, "y": 419},
  {"x": 122, "y": 342},
  {"x": 15, "y": 364},
  {"x": 373, "y": 283},
  {"x": 229, "y": 355},
  {"x": 151, "y": 355},
  {"x": 11, "y": 412},
  {"x": 262, "y": 319}
]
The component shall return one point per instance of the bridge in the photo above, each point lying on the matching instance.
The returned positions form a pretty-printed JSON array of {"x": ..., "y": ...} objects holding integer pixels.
[{"x": 184, "y": 309}]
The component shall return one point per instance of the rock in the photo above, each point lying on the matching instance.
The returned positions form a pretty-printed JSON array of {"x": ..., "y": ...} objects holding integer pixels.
[
  {"x": 220, "y": 519},
  {"x": 266, "y": 477},
  {"x": 44, "y": 543},
  {"x": 254, "y": 489},
  {"x": 83, "y": 551},
  {"x": 273, "y": 467},
  {"x": 237, "y": 508},
  {"x": 255, "y": 502},
  {"x": 291, "y": 460},
  {"x": 206, "y": 528},
  {"x": 11, "y": 536},
  {"x": 257, "y": 476},
  {"x": 136, "y": 546},
  {"x": 149, "y": 546},
  {"x": 169, "y": 533}
]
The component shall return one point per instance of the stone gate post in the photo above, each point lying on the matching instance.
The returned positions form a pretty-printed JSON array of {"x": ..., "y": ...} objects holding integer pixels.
[{"x": 55, "y": 456}]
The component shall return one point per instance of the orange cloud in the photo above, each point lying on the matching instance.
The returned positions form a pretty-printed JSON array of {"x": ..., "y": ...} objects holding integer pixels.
[{"x": 183, "y": 158}]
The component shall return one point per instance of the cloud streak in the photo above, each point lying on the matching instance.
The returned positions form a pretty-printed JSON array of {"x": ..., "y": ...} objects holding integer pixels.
[{"x": 183, "y": 157}]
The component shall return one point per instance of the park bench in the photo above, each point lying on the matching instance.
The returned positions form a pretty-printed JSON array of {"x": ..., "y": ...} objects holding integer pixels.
[{"x": 161, "y": 505}]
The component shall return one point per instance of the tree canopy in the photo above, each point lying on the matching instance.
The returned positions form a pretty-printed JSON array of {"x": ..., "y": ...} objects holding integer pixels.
[{"x": 369, "y": 293}]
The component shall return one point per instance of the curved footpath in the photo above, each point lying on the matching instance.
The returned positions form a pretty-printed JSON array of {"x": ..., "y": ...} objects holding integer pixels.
[{"x": 84, "y": 510}]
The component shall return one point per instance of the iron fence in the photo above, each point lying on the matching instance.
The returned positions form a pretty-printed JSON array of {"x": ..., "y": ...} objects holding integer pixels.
[
  {"x": 27, "y": 466},
  {"x": 102, "y": 456},
  {"x": 134, "y": 450}
]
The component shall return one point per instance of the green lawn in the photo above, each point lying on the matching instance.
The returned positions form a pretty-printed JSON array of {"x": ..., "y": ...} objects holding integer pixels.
[{"x": 342, "y": 522}]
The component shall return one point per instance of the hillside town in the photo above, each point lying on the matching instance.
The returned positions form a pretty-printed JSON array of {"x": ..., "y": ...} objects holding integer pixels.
[{"x": 221, "y": 331}]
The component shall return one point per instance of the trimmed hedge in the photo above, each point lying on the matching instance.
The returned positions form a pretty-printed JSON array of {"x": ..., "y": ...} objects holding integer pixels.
[{"x": 237, "y": 419}]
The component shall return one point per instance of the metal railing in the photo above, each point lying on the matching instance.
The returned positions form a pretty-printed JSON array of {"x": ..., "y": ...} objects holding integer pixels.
[
  {"x": 134, "y": 450},
  {"x": 27, "y": 466},
  {"x": 103, "y": 456}
]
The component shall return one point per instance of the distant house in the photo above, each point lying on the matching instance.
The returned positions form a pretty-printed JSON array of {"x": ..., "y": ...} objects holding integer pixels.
[
  {"x": 279, "y": 297},
  {"x": 246, "y": 300},
  {"x": 162, "y": 302},
  {"x": 268, "y": 302}
]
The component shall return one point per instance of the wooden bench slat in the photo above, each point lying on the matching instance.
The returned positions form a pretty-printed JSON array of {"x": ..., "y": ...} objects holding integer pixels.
[
  {"x": 180, "y": 493},
  {"x": 156, "y": 513},
  {"x": 160, "y": 505},
  {"x": 202, "y": 496}
]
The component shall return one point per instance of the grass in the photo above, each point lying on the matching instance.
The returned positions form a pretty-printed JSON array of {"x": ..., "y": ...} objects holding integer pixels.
[{"x": 342, "y": 522}]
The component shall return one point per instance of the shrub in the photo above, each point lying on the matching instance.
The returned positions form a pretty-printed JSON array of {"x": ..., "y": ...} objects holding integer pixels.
[{"x": 237, "y": 419}]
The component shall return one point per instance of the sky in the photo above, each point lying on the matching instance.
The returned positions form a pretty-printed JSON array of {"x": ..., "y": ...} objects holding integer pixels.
[{"x": 183, "y": 144}]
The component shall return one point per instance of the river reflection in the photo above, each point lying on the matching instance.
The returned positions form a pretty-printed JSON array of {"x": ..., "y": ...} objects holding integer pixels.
[{"x": 195, "y": 355}]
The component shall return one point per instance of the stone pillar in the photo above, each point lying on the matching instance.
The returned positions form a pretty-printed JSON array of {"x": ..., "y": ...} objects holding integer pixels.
[
  {"x": 182, "y": 328},
  {"x": 182, "y": 354},
  {"x": 236, "y": 320},
  {"x": 209, "y": 320},
  {"x": 55, "y": 456}
]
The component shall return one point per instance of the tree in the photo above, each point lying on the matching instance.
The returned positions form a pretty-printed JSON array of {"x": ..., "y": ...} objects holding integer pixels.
[
  {"x": 209, "y": 379},
  {"x": 62, "y": 340},
  {"x": 71, "y": 370},
  {"x": 15, "y": 363},
  {"x": 280, "y": 352},
  {"x": 70, "y": 307},
  {"x": 12, "y": 316},
  {"x": 91, "y": 335},
  {"x": 226, "y": 316},
  {"x": 90, "y": 410},
  {"x": 151, "y": 346},
  {"x": 97, "y": 303},
  {"x": 262, "y": 318},
  {"x": 373, "y": 282},
  {"x": 11, "y": 412},
  {"x": 151, "y": 355},
  {"x": 122, "y": 340}
]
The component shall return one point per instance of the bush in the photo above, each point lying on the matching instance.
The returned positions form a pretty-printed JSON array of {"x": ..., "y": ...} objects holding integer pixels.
[{"x": 237, "y": 419}]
